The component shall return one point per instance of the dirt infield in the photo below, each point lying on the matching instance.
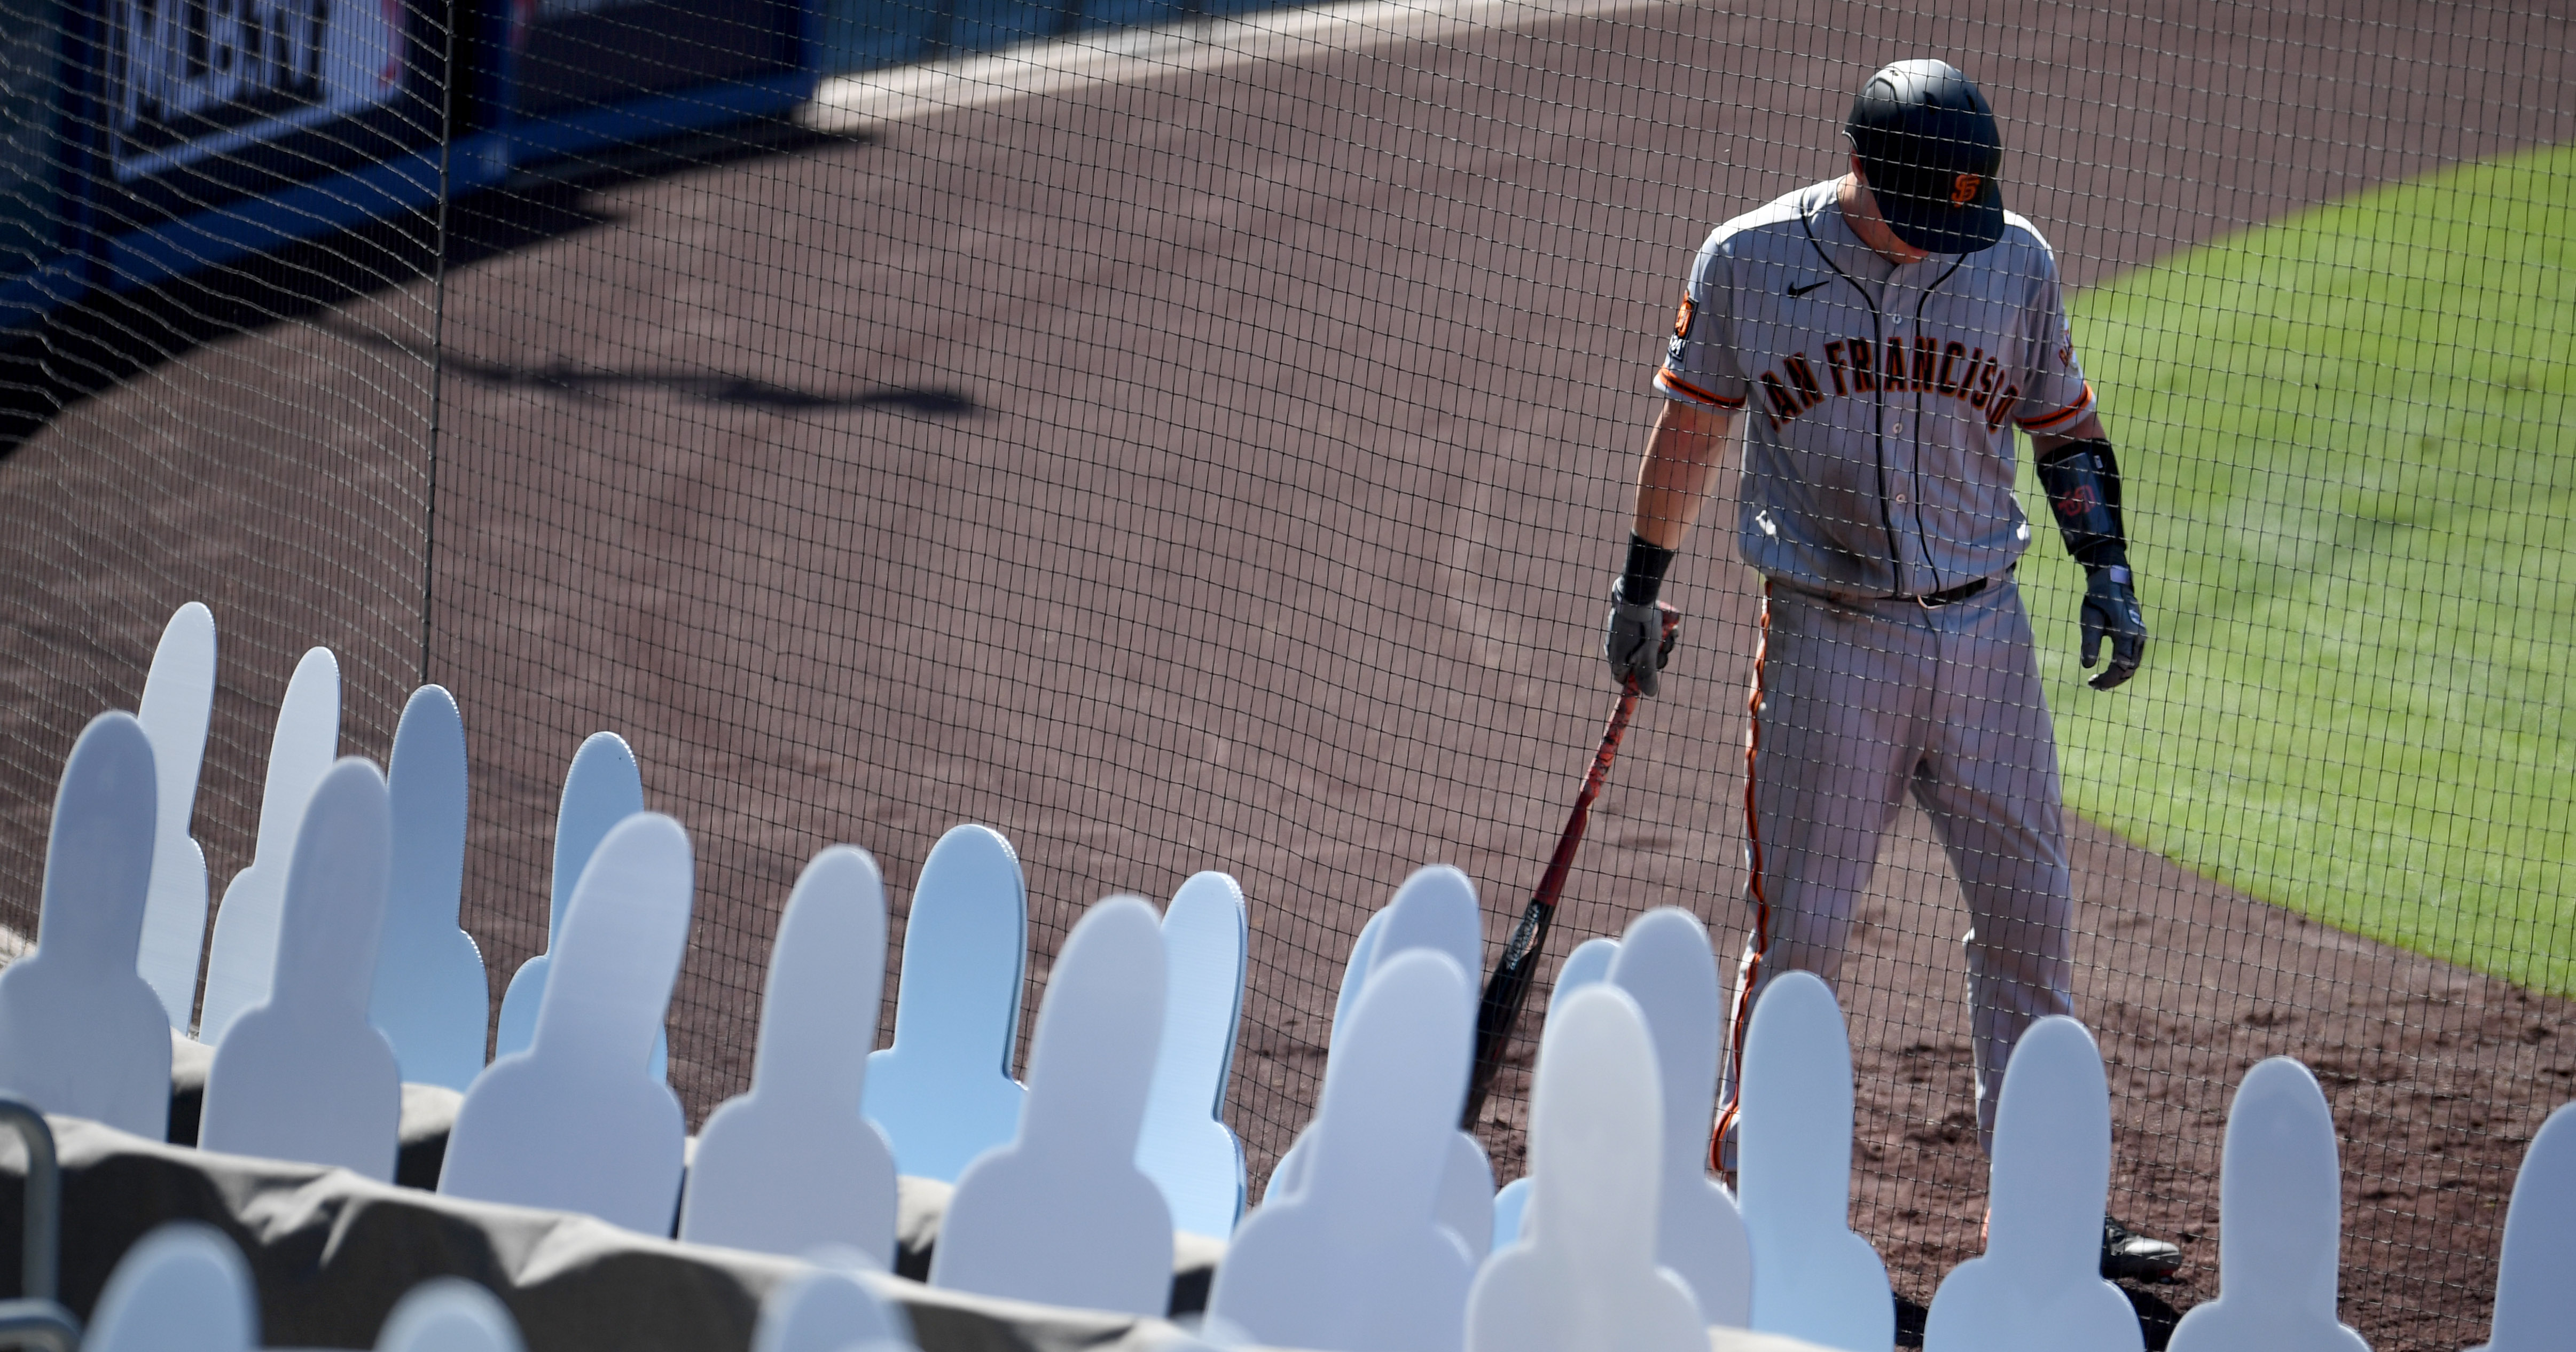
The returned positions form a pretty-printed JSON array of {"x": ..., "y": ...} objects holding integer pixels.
[{"x": 1221, "y": 471}]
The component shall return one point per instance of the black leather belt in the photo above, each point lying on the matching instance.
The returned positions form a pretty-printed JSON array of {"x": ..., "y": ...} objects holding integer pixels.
[{"x": 1948, "y": 596}]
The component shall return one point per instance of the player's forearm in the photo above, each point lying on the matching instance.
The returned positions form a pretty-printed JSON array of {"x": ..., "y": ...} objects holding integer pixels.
[
  {"x": 2081, "y": 478},
  {"x": 1682, "y": 462}
]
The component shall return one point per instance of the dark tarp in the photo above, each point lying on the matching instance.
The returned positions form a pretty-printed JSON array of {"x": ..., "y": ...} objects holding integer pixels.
[{"x": 331, "y": 1253}]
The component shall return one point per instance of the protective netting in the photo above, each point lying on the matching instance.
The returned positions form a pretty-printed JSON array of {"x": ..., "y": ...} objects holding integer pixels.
[
  {"x": 1209, "y": 445},
  {"x": 194, "y": 405}
]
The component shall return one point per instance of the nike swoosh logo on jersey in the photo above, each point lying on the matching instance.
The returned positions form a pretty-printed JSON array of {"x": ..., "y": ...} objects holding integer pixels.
[{"x": 1797, "y": 291}]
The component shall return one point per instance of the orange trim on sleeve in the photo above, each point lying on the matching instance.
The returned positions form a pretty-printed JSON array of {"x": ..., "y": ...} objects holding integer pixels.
[
  {"x": 2063, "y": 415},
  {"x": 1675, "y": 385}
]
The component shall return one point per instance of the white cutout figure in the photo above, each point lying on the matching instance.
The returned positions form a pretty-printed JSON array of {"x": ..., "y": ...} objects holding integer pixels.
[
  {"x": 1511, "y": 1209},
  {"x": 793, "y": 1165},
  {"x": 602, "y": 788},
  {"x": 1666, "y": 965},
  {"x": 1061, "y": 1214},
  {"x": 2533, "y": 1308},
  {"x": 449, "y": 1314},
  {"x": 2280, "y": 1224},
  {"x": 1467, "y": 1189},
  {"x": 1290, "y": 1167},
  {"x": 431, "y": 996},
  {"x": 1355, "y": 971},
  {"x": 943, "y": 1092},
  {"x": 73, "y": 1036},
  {"x": 181, "y": 1288},
  {"x": 302, "y": 1075},
  {"x": 1589, "y": 962},
  {"x": 1357, "y": 1260},
  {"x": 1186, "y": 1147},
  {"x": 1583, "y": 1278},
  {"x": 178, "y": 702},
  {"x": 1812, "y": 1277},
  {"x": 1435, "y": 909},
  {"x": 2039, "y": 1286},
  {"x": 828, "y": 1311},
  {"x": 243, "y": 954},
  {"x": 576, "y": 1122}
]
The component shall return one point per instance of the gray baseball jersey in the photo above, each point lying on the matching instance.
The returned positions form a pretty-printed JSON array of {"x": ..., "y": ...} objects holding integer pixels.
[
  {"x": 1879, "y": 455},
  {"x": 1896, "y": 658}
]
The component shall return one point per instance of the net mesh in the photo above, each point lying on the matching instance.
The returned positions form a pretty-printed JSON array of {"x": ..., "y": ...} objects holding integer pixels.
[
  {"x": 256, "y": 436},
  {"x": 1189, "y": 440}
]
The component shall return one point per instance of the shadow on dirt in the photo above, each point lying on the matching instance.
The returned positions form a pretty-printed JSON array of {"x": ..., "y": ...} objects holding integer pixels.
[{"x": 706, "y": 387}]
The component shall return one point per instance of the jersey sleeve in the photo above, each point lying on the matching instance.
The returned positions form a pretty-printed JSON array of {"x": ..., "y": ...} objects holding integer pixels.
[
  {"x": 2054, "y": 393},
  {"x": 1699, "y": 364}
]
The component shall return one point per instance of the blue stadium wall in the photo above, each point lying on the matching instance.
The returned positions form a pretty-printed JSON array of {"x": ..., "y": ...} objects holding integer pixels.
[
  {"x": 42, "y": 260},
  {"x": 861, "y": 35},
  {"x": 143, "y": 140}
]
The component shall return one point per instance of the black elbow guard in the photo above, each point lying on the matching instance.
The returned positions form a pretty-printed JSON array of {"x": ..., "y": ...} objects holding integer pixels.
[{"x": 2083, "y": 486}]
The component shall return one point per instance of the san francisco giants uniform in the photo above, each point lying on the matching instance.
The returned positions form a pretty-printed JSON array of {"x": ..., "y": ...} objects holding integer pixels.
[{"x": 1876, "y": 500}]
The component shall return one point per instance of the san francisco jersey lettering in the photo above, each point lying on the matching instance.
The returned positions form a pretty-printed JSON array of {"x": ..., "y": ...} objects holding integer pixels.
[{"x": 1879, "y": 400}]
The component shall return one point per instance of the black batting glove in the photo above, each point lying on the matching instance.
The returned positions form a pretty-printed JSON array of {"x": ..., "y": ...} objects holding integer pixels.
[
  {"x": 1638, "y": 640},
  {"x": 2111, "y": 611}
]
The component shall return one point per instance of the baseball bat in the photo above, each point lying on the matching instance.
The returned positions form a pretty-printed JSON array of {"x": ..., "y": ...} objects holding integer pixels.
[{"x": 1507, "y": 990}]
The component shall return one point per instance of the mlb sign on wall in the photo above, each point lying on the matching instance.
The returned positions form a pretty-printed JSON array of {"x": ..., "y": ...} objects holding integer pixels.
[
  {"x": 197, "y": 78},
  {"x": 142, "y": 140},
  {"x": 234, "y": 126}
]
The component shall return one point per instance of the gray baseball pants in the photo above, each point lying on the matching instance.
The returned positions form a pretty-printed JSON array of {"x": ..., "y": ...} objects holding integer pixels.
[{"x": 1857, "y": 702}]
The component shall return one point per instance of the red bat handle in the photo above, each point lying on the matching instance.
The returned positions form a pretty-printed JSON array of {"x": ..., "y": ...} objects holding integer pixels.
[{"x": 1551, "y": 884}]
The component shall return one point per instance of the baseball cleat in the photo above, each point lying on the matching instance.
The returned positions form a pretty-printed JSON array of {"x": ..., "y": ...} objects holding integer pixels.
[{"x": 2126, "y": 1253}]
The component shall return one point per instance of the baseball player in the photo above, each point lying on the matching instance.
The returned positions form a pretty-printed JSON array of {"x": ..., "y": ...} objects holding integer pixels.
[{"x": 1878, "y": 338}]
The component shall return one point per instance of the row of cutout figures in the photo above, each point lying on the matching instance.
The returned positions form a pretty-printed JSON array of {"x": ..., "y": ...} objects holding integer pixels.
[
  {"x": 1381, "y": 1227},
  {"x": 338, "y": 970}
]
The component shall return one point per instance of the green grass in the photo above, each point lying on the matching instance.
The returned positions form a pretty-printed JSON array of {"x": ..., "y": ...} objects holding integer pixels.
[{"x": 2351, "y": 484}]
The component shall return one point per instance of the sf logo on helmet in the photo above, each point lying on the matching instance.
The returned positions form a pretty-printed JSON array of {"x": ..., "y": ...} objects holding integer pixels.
[{"x": 1963, "y": 189}]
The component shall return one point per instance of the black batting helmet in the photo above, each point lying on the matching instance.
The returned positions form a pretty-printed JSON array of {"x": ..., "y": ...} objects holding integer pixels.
[{"x": 1929, "y": 148}]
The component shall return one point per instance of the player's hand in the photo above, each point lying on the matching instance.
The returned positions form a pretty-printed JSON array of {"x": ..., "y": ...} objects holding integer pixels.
[
  {"x": 1639, "y": 640},
  {"x": 2111, "y": 611}
]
